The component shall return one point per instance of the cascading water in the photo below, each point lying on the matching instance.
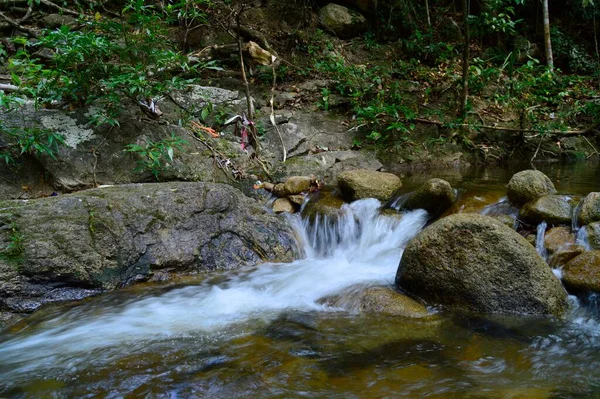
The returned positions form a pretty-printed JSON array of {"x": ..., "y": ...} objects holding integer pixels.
[
  {"x": 581, "y": 237},
  {"x": 360, "y": 246},
  {"x": 540, "y": 245}
]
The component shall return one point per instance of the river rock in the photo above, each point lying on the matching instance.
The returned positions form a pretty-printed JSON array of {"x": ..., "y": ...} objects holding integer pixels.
[
  {"x": 590, "y": 209},
  {"x": 364, "y": 183},
  {"x": 296, "y": 185},
  {"x": 378, "y": 299},
  {"x": 474, "y": 262},
  {"x": 323, "y": 204},
  {"x": 283, "y": 205},
  {"x": 563, "y": 255},
  {"x": 528, "y": 185},
  {"x": 582, "y": 273},
  {"x": 553, "y": 209},
  {"x": 593, "y": 234},
  {"x": 73, "y": 246},
  {"x": 558, "y": 237},
  {"x": 343, "y": 22},
  {"x": 435, "y": 196}
]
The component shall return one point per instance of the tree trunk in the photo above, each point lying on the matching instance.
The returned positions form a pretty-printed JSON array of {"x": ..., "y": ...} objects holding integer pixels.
[
  {"x": 427, "y": 11},
  {"x": 465, "y": 60},
  {"x": 547, "y": 41}
]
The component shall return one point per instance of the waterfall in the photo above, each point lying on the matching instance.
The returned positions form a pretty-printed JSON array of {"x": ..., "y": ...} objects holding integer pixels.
[{"x": 358, "y": 247}]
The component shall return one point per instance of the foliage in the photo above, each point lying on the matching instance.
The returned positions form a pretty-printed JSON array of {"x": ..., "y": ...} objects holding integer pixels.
[
  {"x": 572, "y": 54},
  {"x": 156, "y": 156},
  {"x": 29, "y": 140},
  {"x": 106, "y": 60},
  {"x": 16, "y": 245}
]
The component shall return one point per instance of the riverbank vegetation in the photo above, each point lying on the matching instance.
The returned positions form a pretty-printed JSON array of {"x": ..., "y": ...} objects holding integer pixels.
[{"x": 482, "y": 75}]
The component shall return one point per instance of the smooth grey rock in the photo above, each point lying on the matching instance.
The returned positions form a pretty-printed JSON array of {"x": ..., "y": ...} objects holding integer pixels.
[
  {"x": 343, "y": 22},
  {"x": 553, "y": 209}
]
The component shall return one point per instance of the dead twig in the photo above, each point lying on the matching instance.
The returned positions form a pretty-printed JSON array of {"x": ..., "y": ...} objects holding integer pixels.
[{"x": 28, "y": 31}]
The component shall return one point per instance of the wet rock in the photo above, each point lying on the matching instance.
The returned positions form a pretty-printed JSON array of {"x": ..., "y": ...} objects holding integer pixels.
[
  {"x": 557, "y": 238},
  {"x": 582, "y": 273},
  {"x": 279, "y": 190},
  {"x": 593, "y": 234},
  {"x": 73, "y": 246},
  {"x": 297, "y": 199},
  {"x": 553, "y": 209},
  {"x": 389, "y": 301},
  {"x": 435, "y": 196},
  {"x": 563, "y": 255},
  {"x": 378, "y": 299},
  {"x": 590, "y": 209},
  {"x": 474, "y": 262},
  {"x": 283, "y": 205},
  {"x": 528, "y": 185},
  {"x": 343, "y": 22},
  {"x": 297, "y": 185},
  {"x": 364, "y": 183},
  {"x": 324, "y": 204}
]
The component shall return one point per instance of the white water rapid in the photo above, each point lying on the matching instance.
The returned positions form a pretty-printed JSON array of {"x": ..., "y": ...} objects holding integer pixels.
[{"x": 360, "y": 247}]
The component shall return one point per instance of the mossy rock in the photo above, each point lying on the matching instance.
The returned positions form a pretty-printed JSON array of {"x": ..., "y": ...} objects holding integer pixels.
[
  {"x": 553, "y": 209},
  {"x": 473, "y": 262},
  {"x": 435, "y": 196},
  {"x": 528, "y": 185},
  {"x": 365, "y": 183},
  {"x": 590, "y": 209},
  {"x": 582, "y": 273}
]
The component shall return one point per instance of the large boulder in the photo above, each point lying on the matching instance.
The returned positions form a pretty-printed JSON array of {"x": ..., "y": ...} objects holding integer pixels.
[
  {"x": 582, "y": 273},
  {"x": 364, "y": 183},
  {"x": 435, "y": 196},
  {"x": 323, "y": 204},
  {"x": 72, "y": 246},
  {"x": 528, "y": 185},
  {"x": 343, "y": 22},
  {"x": 553, "y": 209},
  {"x": 590, "y": 209},
  {"x": 474, "y": 262}
]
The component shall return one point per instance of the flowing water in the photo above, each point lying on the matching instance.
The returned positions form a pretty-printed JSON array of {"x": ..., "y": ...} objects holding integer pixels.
[{"x": 265, "y": 332}]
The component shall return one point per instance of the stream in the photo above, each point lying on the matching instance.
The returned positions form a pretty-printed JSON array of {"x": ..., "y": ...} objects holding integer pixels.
[{"x": 266, "y": 332}]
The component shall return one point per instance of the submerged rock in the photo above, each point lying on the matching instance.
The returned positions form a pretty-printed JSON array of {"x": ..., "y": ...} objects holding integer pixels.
[
  {"x": 73, "y": 246},
  {"x": 582, "y": 273},
  {"x": 590, "y": 209},
  {"x": 364, "y": 183},
  {"x": 474, "y": 262},
  {"x": 435, "y": 196},
  {"x": 528, "y": 185},
  {"x": 378, "y": 299},
  {"x": 553, "y": 209}
]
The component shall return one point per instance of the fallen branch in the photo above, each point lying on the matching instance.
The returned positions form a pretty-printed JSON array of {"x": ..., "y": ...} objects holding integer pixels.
[
  {"x": 59, "y": 8},
  {"x": 8, "y": 87},
  {"x": 30, "y": 32}
]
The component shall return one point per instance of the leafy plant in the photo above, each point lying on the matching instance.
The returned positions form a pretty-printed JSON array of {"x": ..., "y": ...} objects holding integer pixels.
[
  {"x": 155, "y": 156},
  {"x": 106, "y": 60},
  {"x": 16, "y": 246}
]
